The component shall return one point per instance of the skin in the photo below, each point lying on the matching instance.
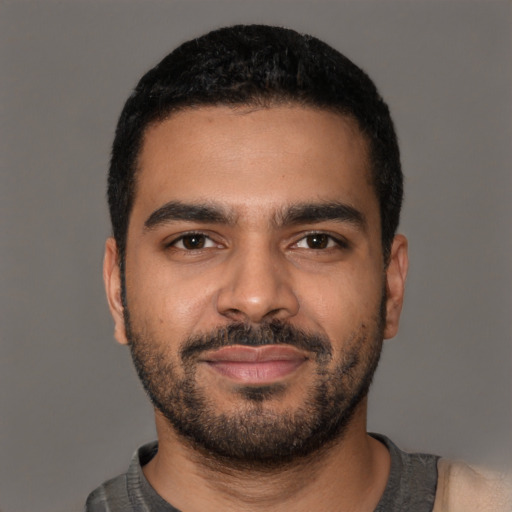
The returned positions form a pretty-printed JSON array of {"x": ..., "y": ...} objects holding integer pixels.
[{"x": 255, "y": 164}]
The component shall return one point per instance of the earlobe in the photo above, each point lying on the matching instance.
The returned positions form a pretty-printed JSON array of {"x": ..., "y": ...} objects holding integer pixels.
[
  {"x": 396, "y": 274},
  {"x": 112, "y": 280}
]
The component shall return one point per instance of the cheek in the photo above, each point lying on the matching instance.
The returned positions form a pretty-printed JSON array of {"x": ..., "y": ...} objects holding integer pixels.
[
  {"x": 169, "y": 302},
  {"x": 342, "y": 300}
]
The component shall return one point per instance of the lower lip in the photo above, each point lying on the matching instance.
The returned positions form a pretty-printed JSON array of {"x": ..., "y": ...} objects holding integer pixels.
[{"x": 260, "y": 372}]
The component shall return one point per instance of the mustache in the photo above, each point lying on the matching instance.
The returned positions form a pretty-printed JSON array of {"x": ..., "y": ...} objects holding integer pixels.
[{"x": 274, "y": 333}]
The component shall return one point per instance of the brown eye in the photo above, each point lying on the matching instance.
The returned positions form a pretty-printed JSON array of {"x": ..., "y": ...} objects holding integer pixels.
[
  {"x": 193, "y": 241},
  {"x": 320, "y": 241},
  {"x": 317, "y": 241}
]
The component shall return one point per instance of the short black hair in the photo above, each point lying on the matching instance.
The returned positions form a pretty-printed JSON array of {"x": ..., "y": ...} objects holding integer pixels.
[{"x": 255, "y": 65}]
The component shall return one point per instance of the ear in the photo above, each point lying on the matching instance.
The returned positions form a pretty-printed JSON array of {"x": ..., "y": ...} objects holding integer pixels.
[
  {"x": 112, "y": 280},
  {"x": 396, "y": 273}
]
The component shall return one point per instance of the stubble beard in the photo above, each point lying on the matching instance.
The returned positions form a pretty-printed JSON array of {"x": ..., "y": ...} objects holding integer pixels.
[{"x": 254, "y": 436}]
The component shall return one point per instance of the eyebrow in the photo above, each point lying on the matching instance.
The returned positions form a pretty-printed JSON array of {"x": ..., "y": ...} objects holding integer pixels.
[
  {"x": 176, "y": 210},
  {"x": 304, "y": 213},
  {"x": 311, "y": 213}
]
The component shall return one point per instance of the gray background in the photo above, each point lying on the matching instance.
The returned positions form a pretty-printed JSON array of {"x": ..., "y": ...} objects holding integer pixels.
[{"x": 72, "y": 410}]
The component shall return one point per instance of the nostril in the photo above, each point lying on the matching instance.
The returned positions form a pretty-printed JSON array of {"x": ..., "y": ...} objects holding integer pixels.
[
  {"x": 235, "y": 314},
  {"x": 273, "y": 313}
]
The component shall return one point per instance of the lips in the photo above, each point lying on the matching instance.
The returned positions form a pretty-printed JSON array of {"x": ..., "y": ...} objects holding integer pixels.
[{"x": 255, "y": 365}]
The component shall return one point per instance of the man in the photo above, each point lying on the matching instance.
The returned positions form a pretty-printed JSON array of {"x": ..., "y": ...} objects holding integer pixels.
[{"x": 254, "y": 271}]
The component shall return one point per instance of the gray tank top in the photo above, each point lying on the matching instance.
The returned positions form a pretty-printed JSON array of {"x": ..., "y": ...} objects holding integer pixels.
[{"x": 411, "y": 485}]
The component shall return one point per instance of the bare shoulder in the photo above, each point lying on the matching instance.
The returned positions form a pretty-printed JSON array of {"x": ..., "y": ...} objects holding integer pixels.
[{"x": 465, "y": 488}]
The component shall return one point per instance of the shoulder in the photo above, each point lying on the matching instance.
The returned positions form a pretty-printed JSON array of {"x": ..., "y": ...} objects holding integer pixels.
[
  {"x": 407, "y": 467},
  {"x": 462, "y": 488},
  {"x": 111, "y": 496},
  {"x": 120, "y": 493},
  {"x": 411, "y": 482}
]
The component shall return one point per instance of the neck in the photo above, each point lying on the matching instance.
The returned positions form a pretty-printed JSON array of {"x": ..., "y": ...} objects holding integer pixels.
[{"x": 351, "y": 475}]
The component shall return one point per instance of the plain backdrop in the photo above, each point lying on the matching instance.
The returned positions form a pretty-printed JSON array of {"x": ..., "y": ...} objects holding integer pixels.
[{"x": 71, "y": 409}]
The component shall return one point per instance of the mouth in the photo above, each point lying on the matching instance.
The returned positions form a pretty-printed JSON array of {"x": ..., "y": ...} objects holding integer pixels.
[{"x": 255, "y": 365}]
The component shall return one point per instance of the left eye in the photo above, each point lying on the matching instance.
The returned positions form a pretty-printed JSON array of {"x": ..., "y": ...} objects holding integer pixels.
[
  {"x": 317, "y": 241},
  {"x": 193, "y": 241}
]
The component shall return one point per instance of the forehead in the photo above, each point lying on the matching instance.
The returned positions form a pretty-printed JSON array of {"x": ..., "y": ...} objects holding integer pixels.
[{"x": 254, "y": 159}]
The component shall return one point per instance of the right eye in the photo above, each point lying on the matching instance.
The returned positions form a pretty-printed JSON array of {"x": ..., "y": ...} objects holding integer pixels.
[{"x": 192, "y": 242}]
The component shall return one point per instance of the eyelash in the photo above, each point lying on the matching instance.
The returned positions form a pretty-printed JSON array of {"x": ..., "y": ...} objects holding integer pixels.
[
  {"x": 339, "y": 242},
  {"x": 181, "y": 238}
]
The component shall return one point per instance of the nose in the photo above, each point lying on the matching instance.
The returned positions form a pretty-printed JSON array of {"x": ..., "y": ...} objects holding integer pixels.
[{"x": 256, "y": 288}]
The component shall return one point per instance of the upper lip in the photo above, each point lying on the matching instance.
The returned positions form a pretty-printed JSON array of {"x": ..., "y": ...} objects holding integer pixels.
[{"x": 260, "y": 354}]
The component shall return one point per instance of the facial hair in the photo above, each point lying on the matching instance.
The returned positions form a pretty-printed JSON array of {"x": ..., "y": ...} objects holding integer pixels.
[{"x": 254, "y": 435}]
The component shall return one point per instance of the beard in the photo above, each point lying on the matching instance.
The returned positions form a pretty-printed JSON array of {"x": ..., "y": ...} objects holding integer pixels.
[{"x": 254, "y": 435}]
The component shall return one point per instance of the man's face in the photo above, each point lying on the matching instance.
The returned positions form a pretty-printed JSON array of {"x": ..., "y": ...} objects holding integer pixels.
[{"x": 256, "y": 292}]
